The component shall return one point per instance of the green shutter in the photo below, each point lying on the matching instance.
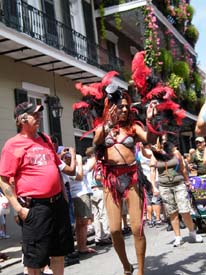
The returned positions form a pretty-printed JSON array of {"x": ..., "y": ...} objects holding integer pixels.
[
  {"x": 20, "y": 96},
  {"x": 68, "y": 41},
  {"x": 89, "y": 26}
]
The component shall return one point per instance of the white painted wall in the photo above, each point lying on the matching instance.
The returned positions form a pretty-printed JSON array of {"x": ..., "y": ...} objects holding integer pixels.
[{"x": 12, "y": 76}]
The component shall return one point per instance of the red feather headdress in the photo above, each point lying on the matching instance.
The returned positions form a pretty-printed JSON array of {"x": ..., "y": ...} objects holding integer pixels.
[
  {"x": 93, "y": 98},
  {"x": 96, "y": 89}
]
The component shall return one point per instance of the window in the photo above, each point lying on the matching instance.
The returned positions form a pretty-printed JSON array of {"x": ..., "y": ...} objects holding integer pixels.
[{"x": 38, "y": 101}]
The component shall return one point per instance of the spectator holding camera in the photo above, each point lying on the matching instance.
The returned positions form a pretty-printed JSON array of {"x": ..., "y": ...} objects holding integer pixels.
[{"x": 196, "y": 158}]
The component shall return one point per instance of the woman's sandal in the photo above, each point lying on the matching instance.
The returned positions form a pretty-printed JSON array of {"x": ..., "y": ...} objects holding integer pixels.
[{"x": 129, "y": 272}]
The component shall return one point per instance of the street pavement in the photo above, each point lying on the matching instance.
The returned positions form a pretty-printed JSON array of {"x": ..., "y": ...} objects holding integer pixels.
[{"x": 161, "y": 257}]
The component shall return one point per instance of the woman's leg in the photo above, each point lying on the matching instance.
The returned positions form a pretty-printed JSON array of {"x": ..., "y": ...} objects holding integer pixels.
[
  {"x": 114, "y": 213},
  {"x": 188, "y": 221},
  {"x": 174, "y": 219},
  {"x": 135, "y": 209},
  {"x": 81, "y": 233}
]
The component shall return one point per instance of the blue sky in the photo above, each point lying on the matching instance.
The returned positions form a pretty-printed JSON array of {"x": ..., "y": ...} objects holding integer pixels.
[{"x": 199, "y": 20}]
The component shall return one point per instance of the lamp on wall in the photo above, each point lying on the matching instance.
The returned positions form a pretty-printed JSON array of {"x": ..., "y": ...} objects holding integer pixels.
[
  {"x": 56, "y": 107},
  {"x": 55, "y": 104}
]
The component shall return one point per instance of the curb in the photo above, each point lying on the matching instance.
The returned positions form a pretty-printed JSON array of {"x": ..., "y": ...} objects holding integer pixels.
[{"x": 9, "y": 263}]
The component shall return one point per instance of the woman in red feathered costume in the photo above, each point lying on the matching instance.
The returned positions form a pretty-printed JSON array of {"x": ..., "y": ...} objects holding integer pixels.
[
  {"x": 118, "y": 134},
  {"x": 115, "y": 138}
]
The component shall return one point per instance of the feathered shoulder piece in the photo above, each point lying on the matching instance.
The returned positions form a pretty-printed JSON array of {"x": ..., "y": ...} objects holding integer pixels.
[{"x": 151, "y": 88}]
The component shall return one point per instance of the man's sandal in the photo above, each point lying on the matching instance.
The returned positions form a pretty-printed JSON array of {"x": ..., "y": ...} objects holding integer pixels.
[{"x": 129, "y": 272}]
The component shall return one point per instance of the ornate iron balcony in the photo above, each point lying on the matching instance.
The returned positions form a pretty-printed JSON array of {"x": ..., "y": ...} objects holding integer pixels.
[{"x": 25, "y": 18}]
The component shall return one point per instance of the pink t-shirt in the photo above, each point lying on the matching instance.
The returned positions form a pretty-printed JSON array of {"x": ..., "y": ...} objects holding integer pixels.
[{"x": 33, "y": 165}]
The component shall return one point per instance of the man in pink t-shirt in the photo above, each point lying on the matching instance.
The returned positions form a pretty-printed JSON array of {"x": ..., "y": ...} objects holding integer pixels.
[{"x": 37, "y": 193}]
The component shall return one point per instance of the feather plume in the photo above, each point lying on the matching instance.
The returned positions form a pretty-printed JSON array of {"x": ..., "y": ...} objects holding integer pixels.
[
  {"x": 81, "y": 104},
  {"x": 161, "y": 92},
  {"x": 140, "y": 72},
  {"x": 107, "y": 79}
]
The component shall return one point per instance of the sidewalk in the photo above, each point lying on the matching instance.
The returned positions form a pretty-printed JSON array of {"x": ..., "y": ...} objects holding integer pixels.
[
  {"x": 11, "y": 246},
  {"x": 161, "y": 257}
]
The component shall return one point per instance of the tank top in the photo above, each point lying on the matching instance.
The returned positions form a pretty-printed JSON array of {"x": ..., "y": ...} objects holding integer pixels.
[{"x": 169, "y": 174}]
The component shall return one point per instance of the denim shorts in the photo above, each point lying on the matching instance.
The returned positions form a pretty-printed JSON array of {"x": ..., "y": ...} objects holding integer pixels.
[
  {"x": 149, "y": 198},
  {"x": 175, "y": 198},
  {"x": 83, "y": 206},
  {"x": 46, "y": 232}
]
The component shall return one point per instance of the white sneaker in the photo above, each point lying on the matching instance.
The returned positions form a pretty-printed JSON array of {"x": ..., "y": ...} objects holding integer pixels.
[
  {"x": 195, "y": 238},
  {"x": 178, "y": 241}
]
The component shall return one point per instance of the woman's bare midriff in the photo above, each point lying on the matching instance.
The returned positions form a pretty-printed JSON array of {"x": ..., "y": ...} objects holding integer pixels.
[{"x": 119, "y": 154}]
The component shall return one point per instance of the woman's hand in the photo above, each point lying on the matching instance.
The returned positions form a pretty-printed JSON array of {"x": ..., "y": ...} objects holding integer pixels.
[
  {"x": 188, "y": 185},
  {"x": 152, "y": 109},
  {"x": 156, "y": 191},
  {"x": 112, "y": 115}
]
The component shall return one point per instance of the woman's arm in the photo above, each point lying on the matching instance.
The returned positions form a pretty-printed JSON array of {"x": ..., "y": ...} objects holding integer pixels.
[
  {"x": 144, "y": 136},
  {"x": 153, "y": 171},
  {"x": 99, "y": 135},
  {"x": 79, "y": 170},
  {"x": 145, "y": 152},
  {"x": 182, "y": 168}
]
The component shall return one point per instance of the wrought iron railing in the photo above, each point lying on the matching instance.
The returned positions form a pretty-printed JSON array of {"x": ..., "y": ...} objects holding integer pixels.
[{"x": 26, "y": 19}]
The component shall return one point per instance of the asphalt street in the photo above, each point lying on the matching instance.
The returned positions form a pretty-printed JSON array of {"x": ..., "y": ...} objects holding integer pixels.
[{"x": 161, "y": 257}]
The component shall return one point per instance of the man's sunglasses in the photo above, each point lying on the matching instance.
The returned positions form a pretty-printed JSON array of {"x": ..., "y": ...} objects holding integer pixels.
[{"x": 198, "y": 142}]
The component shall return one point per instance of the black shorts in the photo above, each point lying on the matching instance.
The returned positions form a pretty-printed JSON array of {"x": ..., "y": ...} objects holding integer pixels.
[{"x": 46, "y": 232}]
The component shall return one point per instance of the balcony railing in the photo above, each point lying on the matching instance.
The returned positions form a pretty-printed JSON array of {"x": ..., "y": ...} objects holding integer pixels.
[
  {"x": 109, "y": 3},
  {"x": 38, "y": 25}
]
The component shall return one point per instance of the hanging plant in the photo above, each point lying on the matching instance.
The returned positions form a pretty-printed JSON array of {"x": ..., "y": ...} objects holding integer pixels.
[
  {"x": 191, "y": 34},
  {"x": 197, "y": 81},
  {"x": 191, "y": 96},
  {"x": 190, "y": 13},
  {"x": 202, "y": 100},
  {"x": 102, "y": 23},
  {"x": 167, "y": 62},
  {"x": 181, "y": 68},
  {"x": 117, "y": 17},
  {"x": 151, "y": 42},
  {"x": 175, "y": 81},
  {"x": 118, "y": 21}
]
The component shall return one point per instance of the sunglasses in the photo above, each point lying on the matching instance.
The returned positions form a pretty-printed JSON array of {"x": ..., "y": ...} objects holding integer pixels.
[{"x": 199, "y": 142}]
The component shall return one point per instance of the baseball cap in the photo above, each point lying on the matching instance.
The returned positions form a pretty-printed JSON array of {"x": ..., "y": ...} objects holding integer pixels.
[
  {"x": 60, "y": 149},
  {"x": 200, "y": 139},
  {"x": 27, "y": 107}
]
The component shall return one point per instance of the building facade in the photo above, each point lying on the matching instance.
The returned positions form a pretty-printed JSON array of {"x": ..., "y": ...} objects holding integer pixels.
[{"x": 47, "y": 46}]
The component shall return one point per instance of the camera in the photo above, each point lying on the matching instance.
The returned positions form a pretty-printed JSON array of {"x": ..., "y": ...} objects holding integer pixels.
[{"x": 114, "y": 93}]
